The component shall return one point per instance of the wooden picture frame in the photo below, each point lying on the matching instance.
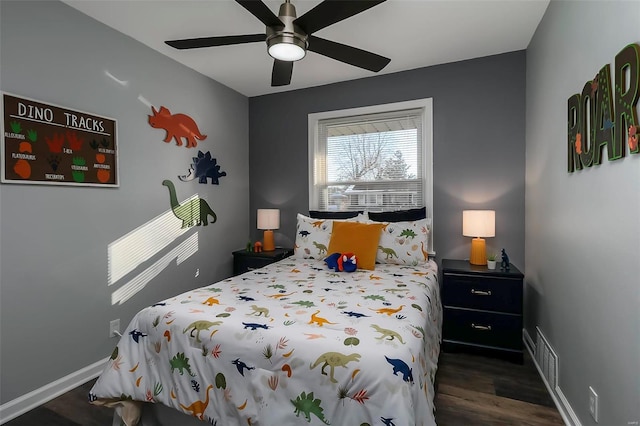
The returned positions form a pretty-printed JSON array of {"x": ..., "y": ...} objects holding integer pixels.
[{"x": 46, "y": 144}]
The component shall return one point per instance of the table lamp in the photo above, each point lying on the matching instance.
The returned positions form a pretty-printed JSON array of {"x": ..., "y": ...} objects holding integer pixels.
[
  {"x": 478, "y": 224},
  {"x": 268, "y": 219}
]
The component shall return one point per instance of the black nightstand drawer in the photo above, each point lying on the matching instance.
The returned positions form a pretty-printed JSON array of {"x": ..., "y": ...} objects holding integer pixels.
[
  {"x": 244, "y": 261},
  {"x": 250, "y": 263},
  {"x": 483, "y": 328},
  {"x": 482, "y": 309},
  {"x": 492, "y": 294}
]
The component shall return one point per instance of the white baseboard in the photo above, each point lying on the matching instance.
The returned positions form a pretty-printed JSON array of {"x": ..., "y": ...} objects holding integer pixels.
[
  {"x": 33, "y": 399},
  {"x": 562, "y": 403}
]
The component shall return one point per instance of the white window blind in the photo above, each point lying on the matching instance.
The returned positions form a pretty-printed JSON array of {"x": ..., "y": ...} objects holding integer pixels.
[
  {"x": 370, "y": 162},
  {"x": 375, "y": 158}
]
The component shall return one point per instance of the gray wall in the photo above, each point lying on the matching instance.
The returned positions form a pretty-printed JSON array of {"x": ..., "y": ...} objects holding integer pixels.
[
  {"x": 582, "y": 229},
  {"x": 478, "y": 138},
  {"x": 55, "y": 303}
]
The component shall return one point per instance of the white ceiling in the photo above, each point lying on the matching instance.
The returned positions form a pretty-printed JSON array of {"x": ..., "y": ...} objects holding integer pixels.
[{"x": 413, "y": 33}]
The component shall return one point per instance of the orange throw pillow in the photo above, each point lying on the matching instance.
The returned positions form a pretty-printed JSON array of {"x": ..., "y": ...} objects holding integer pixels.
[{"x": 359, "y": 238}]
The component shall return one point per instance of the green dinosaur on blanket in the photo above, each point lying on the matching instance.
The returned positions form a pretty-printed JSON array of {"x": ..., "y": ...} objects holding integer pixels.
[
  {"x": 259, "y": 311},
  {"x": 334, "y": 359},
  {"x": 385, "y": 332},
  {"x": 180, "y": 362},
  {"x": 305, "y": 303},
  {"x": 307, "y": 405},
  {"x": 198, "y": 326}
]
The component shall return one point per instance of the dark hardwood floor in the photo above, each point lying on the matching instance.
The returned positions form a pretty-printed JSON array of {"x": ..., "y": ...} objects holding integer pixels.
[
  {"x": 472, "y": 390},
  {"x": 69, "y": 409},
  {"x": 476, "y": 390}
]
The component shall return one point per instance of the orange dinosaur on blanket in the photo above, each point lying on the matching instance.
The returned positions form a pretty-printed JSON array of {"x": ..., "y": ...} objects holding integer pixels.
[{"x": 388, "y": 311}]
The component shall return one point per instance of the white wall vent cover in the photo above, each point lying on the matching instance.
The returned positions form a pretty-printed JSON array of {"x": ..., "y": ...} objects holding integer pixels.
[{"x": 546, "y": 359}]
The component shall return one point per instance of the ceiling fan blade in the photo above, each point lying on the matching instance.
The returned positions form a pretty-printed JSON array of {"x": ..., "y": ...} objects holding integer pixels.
[
  {"x": 348, "y": 54},
  {"x": 195, "y": 43},
  {"x": 331, "y": 11},
  {"x": 261, "y": 11},
  {"x": 281, "y": 75}
]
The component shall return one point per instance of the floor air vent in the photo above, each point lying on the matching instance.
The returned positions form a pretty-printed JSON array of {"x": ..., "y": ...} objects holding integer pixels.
[{"x": 547, "y": 359}]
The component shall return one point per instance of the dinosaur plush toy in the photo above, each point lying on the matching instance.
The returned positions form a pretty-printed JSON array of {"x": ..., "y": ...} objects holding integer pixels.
[{"x": 342, "y": 262}]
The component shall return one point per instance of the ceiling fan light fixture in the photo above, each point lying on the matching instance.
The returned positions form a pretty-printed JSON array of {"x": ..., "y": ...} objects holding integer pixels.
[
  {"x": 288, "y": 37},
  {"x": 286, "y": 47}
]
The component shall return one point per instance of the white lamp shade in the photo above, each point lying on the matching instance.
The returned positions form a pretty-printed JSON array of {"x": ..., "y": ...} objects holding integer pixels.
[
  {"x": 479, "y": 223},
  {"x": 268, "y": 218}
]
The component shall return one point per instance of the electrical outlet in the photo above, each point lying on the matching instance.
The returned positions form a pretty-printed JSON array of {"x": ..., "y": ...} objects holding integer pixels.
[
  {"x": 593, "y": 404},
  {"x": 114, "y": 328}
]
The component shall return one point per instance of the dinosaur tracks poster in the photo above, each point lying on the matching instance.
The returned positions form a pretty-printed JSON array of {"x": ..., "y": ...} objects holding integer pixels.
[{"x": 48, "y": 144}]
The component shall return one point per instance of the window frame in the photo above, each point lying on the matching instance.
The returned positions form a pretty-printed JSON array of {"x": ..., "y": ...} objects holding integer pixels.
[{"x": 426, "y": 107}]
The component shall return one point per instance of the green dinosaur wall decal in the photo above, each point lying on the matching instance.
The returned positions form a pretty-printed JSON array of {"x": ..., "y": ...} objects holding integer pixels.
[{"x": 196, "y": 211}]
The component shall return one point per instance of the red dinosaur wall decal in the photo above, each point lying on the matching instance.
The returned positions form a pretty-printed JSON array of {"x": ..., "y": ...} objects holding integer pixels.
[{"x": 178, "y": 126}]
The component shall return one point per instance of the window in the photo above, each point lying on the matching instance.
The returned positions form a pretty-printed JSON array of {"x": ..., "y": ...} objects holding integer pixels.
[{"x": 374, "y": 158}]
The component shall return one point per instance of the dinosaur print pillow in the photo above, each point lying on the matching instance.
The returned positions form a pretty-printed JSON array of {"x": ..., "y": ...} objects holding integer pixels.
[
  {"x": 404, "y": 243},
  {"x": 313, "y": 236}
]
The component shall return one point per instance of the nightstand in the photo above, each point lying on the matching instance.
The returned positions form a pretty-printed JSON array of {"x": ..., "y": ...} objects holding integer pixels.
[
  {"x": 244, "y": 261},
  {"x": 482, "y": 309}
]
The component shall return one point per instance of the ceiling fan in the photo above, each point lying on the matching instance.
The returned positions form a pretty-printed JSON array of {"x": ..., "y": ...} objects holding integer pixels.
[{"x": 288, "y": 37}]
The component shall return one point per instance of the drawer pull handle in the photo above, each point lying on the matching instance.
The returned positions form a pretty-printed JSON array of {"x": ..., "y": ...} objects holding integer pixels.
[
  {"x": 481, "y": 327},
  {"x": 480, "y": 292}
]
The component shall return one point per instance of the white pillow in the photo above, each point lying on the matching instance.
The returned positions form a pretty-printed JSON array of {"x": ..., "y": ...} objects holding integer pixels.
[
  {"x": 313, "y": 235},
  {"x": 404, "y": 243}
]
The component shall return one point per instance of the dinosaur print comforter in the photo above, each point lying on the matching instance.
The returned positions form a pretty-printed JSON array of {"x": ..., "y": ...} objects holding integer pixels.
[{"x": 292, "y": 343}]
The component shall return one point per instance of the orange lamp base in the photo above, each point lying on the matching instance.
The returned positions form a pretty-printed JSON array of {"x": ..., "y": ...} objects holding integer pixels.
[
  {"x": 268, "y": 244},
  {"x": 478, "y": 252}
]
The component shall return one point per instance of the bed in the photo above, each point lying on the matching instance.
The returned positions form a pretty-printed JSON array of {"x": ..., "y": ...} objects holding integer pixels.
[{"x": 292, "y": 343}]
